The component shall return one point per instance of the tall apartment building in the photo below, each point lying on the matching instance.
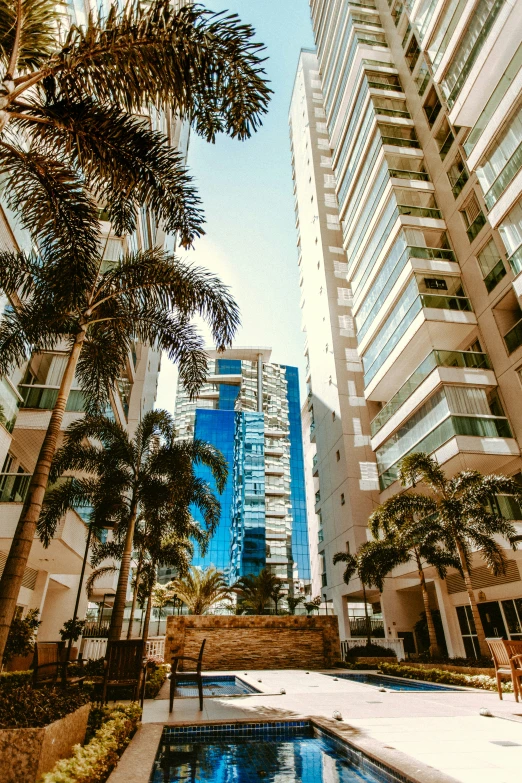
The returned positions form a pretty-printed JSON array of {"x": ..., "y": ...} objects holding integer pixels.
[
  {"x": 27, "y": 397},
  {"x": 405, "y": 151},
  {"x": 249, "y": 409}
]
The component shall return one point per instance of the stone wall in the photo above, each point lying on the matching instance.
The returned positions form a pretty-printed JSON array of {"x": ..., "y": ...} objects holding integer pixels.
[{"x": 255, "y": 641}]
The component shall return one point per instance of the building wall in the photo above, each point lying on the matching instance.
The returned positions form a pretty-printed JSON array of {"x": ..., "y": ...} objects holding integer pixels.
[{"x": 399, "y": 110}]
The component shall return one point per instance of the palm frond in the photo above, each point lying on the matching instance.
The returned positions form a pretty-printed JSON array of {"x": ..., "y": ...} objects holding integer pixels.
[
  {"x": 420, "y": 467},
  {"x": 98, "y": 574},
  {"x": 204, "y": 66},
  {"x": 38, "y": 32}
]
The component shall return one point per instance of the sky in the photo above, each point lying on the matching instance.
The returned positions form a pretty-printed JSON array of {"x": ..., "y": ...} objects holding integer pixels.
[{"x": 247, "y": 193}]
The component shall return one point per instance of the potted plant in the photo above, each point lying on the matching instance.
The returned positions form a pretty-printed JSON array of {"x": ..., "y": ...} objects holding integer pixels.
[{"x": 20, "y": 642}]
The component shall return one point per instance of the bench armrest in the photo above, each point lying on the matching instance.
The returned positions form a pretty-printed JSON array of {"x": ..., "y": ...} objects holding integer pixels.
[{"x": 184, "y": 658}]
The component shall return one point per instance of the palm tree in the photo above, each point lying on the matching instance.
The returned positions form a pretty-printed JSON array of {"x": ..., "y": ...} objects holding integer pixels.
[
  {"x": 256, "y": 591},
  {"x": 201, "y": 589},
  {"x": 464, "y": 508},
  {"x": 293, "y": 602},
  {"x": 148, "y": 295},
  {"x": 410, "y": 535},
  {"x": 277, "y": 594},
  {"x": 69, "y": 144},
  {"x": 353, "y": 567},
  {"x": 149, "y": 476},
  {"x": 67, "y": 103}
]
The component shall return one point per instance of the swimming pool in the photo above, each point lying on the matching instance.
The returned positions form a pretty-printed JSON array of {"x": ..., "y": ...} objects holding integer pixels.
[
  {"x": 392, "y": 683},
  {"x": 293, "y": 752},
  {"x": 217, "y": 685}
]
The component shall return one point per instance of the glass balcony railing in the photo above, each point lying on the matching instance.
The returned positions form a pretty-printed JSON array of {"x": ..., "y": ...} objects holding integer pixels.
[
  {"x": 392, "y": 112},
  {"x": 13, "y": 487},
  {"x": 44, "y": 398},
  {"x": 474, "y": 229},
  {"x": 312, "y": 430},
  {"x": 513, "y": 338},
  {"x": 437, "y": 358},
  {"x": 475, "y": 426},
  {"x": 396, "y": 141},
  {"x": 315, "y": 461},
  {"x": 429, "y": 212},
  {"x": 405, "y": 174},
  {"x": 457, "y": 187},
  {"x": 9, "y": 401},
  {"x": 317, "y": 497},
  {"x": 515, "y": 261},
  {"x": 384, "y": 85},
  {"x": 507, "y": 174},
  {"x": 444, "y": 302},
  {"x": 458, "y": 82},
  {"x": 494, "y": 277}
]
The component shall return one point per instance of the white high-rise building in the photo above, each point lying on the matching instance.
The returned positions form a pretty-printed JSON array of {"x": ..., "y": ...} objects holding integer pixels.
[{"x": 405, "y": 137}]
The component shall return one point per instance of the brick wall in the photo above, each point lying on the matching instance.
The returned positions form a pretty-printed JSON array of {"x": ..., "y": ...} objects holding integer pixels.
[{"x": 255, "y": 641}]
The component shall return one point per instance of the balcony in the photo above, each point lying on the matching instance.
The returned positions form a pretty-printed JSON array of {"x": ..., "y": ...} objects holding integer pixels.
[
  {"x": 427, "y": 212},
  {"x": 417, "y": 322},
  {"x": 502, "y": 181},
  {"x": 411, "y": 175},
  {"x": 480, "y": 438},
  {"x": 13, "y": 487},
  {"x": 474, "y": 229},
  {"x": 494, "y": 277},
  {"x": 465, "y": 360},
  {"x": 41, "y": 397},
  {"x": 9, "y": 401},
  {"x": 315, "y": 465},
  {"x": 458, "y": 185},
  {"x": 515, "y": 261},
  {"x": 312, "y": 431},
  {"x": 359, "y": 627}
]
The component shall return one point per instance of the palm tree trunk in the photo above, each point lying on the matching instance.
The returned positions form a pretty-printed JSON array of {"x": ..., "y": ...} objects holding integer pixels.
[
  {"x": 481, "y": 636},
  {"x": 368, "y": 629},
  {"x": 134, "y": 596},
  {"x": 18, "y": 556},
  {"x": 147, "y": 619},
  {"x": 434, "y": 645},
  {"x": 123, "y": 577}
]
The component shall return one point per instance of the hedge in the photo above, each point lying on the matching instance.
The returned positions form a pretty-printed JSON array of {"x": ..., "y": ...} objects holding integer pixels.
[
  {"x": 482, "y": 681},
  {"x": 155, "y": 680},
  {"x": 370, "y": 651},
  {"x": 15, "y": 679},
  {"x": 92, "y": 763},
  {"x": 22, "y": 707}
]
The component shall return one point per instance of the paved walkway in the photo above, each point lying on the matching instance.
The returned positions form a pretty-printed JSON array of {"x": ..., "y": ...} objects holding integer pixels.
[{"x": 432, "y": 736}]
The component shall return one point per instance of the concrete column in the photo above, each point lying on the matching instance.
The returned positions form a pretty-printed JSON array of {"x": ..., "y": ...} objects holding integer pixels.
[{"x": 450, "y": 622}]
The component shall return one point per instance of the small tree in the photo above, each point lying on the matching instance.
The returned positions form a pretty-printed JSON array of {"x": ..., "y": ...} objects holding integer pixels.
[
  {"x": 162, "y": 596},
  {"x": 256, "y": 591},
  {"x": 277, "y": 594},
  {"x": 22, "y": 635},
  {"x": 352, "y": 565},
  {"x": 313, "y": 605},
  {"x": 72, "y": 629},
  {"x": 293, "y": 602},
  {"x": 201, "y": 589}
]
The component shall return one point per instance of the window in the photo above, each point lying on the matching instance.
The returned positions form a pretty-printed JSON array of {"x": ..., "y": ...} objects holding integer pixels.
[
  {"x": 422, "y": 78},
  {"x": 432, "y": 106},
  {"x": 342, "y": 499},
  {"x": 412, "y": 53},
  {"x": 491, "y": 265},
  {"x": 457, "y": 175},
  {"x": 502, "y": 162},
  {"x": 473, "y": 217},
  {"x": 337, "y": 456},
  {"x": 444, "y": 138}
]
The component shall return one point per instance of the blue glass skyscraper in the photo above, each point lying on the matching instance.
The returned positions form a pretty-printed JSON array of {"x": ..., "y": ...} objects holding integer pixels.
[{"x": 249, "y": 409}]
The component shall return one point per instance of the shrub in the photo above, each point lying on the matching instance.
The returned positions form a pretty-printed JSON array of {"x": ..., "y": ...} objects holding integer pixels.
[
  {"x": 72, "y": 629},
  {"x": 482, "y": 681},
  {"x": 21, "y": 635},
  {"x": 15, "y": 679},
  {"x": 22, "y": 707},
  {"x": 93, "y": 762},
  {"x": 370, "y": 651},
  {"x": 155, "y": 680},
  {"x": 352, "y": 665}
]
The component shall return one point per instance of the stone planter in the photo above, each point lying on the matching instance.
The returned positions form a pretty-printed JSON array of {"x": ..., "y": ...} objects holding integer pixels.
[{"x": 26, "y": 754}]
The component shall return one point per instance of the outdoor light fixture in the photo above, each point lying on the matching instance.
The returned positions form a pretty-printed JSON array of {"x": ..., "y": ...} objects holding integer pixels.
[{"x": 336, "y": 715}]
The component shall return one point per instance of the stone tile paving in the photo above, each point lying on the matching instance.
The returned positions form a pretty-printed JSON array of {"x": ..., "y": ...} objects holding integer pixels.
[{"x": 441, "y": 732}]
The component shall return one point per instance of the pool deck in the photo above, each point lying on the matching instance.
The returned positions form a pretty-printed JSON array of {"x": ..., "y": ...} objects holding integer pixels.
[{"x": 430, "y": 736}]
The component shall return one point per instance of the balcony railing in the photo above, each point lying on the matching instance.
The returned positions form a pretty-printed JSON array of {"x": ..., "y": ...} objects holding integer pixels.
[
  {"x": 13, "y": 487},
  {"x": 44, "y": 397},
  {"x": 405, "y": 174},
  {"x": 312, "y": 430},
  {"x": 475, "y": 426},
  {"x": 392, "y": 112},
  {"x": 466, "y": 359},
  {"x": 474, "y": 229},
  {"x": 513, "y": 338},
  {"x": 507, "y": 174},
  {"x": 399, "y": 142},
  {"x": 315, "y": 461},
  {"x": 429, "y": 212},
  {"x": 359, "y": 627},
  {"x": 384, "y": 85},
  {"x": 442, "y": 302},
  {"x": 317, "y": 497},
  {"x": 495, "y": 276},
  {"x": 9, "y": 401}
]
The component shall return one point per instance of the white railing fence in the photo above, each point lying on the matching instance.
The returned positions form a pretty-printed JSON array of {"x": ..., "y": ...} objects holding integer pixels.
[
  {"x": 155, "y": 646},
  {"x": 391, "y": 644},
  {"x": 93, "y": 648}
]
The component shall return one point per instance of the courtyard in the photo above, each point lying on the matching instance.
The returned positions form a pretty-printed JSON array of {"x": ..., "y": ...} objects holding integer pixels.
[{"x": 425, "y": 736}]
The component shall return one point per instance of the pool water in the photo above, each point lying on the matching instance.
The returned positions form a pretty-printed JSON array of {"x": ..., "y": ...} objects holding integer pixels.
[
  {"x": 225, "y": 685},
  {"x": 393, "y": 683},
  {"x": 265, "y": 756}
]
